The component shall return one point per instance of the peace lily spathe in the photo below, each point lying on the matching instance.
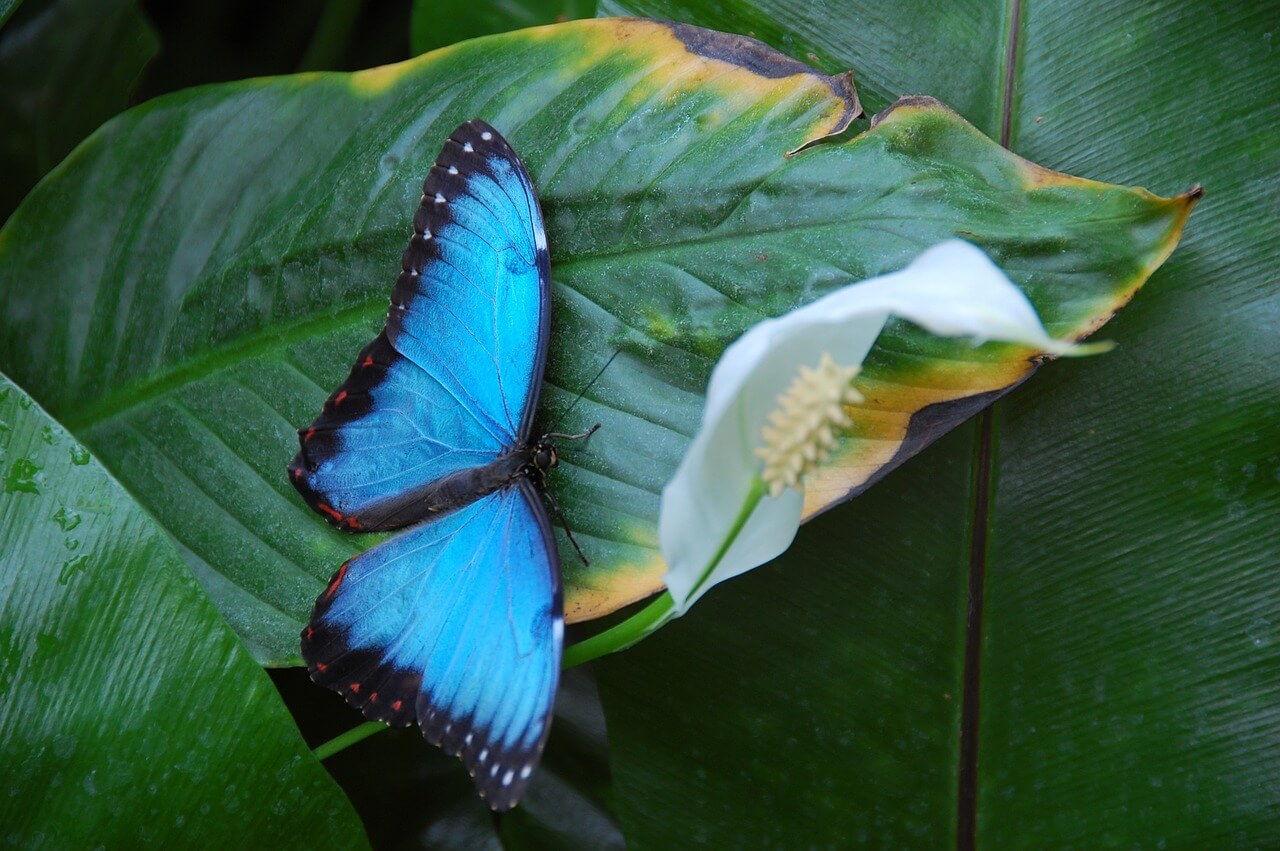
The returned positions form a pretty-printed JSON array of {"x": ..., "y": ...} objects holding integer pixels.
[{"x": 777, "y": 399}]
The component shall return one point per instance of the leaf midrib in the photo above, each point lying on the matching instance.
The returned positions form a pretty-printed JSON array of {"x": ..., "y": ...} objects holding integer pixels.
[{"x": 980, "y": 518}]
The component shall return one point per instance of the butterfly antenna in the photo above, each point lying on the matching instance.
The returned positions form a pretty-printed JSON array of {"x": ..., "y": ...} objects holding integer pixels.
[
  {"x": 569, "y": 410},
  {"x": 564, "y": 522}
]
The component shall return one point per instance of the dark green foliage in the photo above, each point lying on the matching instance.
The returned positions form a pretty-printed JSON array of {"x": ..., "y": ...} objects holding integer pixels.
[
  {"x": 132, "y": 714},
  {"x": 1128, "y": 668}
]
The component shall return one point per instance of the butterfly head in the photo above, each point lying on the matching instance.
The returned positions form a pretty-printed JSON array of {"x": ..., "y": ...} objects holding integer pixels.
[{"x": 544, "y": 455}]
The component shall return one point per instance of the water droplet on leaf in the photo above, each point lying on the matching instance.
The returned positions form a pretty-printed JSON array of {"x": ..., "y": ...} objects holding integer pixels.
[
  {"x": 22, "y": 477},
  {"x": 71, "y": 567},
  {"x": 68, "y": 520},
  {"x": 79, "y": 455}
]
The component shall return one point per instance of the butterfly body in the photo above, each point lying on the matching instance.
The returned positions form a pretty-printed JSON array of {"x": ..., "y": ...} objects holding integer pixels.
[{"x": 456, "y": 623}]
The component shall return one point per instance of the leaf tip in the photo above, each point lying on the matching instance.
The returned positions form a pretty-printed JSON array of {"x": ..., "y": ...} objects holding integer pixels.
[{"x": 843, "y": 86}]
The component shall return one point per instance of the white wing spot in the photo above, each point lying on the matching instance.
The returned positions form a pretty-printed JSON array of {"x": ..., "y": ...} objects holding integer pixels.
[
  {"x": 448, "y": 727},
  {"x": 486, "y": 135},
  {"x": 440, "y": 199},
  {"x": 453, "y": 169},
  {"x": 493, "y": 770},
  {"x": 484, "y": 754},
  {"x": 525, "y": 772},
  {"x": 468, "y": 739},
  {"x": 466, "y": 146},
  {"x": 508, "y": 777}
]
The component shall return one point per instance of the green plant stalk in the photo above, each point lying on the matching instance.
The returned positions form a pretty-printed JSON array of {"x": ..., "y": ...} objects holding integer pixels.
[
  {"x": 345, "y": 740},
  {"x": 618, "y": 637}
]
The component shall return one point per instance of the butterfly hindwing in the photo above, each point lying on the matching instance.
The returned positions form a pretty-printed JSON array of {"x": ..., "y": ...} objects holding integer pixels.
[
  {"x": 452, "y": 381},
  {"x": 455, "y": 624}
]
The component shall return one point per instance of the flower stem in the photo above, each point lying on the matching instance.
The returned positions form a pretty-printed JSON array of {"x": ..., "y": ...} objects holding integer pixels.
[
  {"x": 349, "y": 738},
  {"x": 757, "y": 492},
  {"x": 623, "y": 635}
]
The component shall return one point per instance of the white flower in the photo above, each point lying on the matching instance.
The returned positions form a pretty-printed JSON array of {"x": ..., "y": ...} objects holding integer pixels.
[{"x": 777, "y": 400}]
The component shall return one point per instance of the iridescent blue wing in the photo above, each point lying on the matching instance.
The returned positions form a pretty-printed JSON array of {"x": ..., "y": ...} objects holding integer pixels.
[
  {"x": 453, "y": 379},
  {"x": 457, "y": 625}
]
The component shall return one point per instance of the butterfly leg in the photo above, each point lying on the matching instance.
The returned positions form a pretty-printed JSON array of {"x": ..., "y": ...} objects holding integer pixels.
[{"x": 555, "y": 509}]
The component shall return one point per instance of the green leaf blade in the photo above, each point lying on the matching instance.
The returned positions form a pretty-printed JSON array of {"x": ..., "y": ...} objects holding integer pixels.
[
  {"x": 132, "y": 714},
  {"x": 1132, "y": 626}
]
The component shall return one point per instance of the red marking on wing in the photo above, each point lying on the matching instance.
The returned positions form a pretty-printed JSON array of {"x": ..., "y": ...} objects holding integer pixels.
[
  {"x": 311, "y": 431},
  {"x": 395, "y": 707},
  {"x": 353, "y": 523},
  {"x": 355, "y": 688},
  {"x": 337, "y": 400},
  {"x": 373, "y": 698},
  {"x": 310, "y": 632},
  {"x": 337, "y": 580},
  {"x": 368, "y": 361},
  {"x": 330, "y": 510},
  {"x": 297, "y": 473},
  {"x": 321, "y": 667}
]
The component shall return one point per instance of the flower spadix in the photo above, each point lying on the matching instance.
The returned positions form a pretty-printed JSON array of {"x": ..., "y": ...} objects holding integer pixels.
[
  {"x": 780, "y": 396},
  {"x": 802, "y": 429}
]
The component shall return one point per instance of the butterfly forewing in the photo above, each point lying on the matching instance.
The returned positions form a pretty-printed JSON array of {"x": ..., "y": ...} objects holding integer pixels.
[{"x": 453, "y": 379}]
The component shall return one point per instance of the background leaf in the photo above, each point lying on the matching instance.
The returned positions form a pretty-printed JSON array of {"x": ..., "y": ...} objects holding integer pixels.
[
  {"x": 411, "y": 795},
  {"x": 252, "y": 259},
  {"x": 438, "y": 23},
  {"x": 213, "y": 41},
  {"x": 1123, "y": 672},
  {"x": 132, "y": 714},
  {"x": 65, "y": 67}
]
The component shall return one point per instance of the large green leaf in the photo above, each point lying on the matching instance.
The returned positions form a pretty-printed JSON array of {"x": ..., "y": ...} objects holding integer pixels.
[
  {"x": 132, "y": 714},
  {"x": 222, "y": 290},
  {"x": 66, "y": 66},
  {"x": 1131, "y": 644},
  {"x": 1122, "y": 676}
]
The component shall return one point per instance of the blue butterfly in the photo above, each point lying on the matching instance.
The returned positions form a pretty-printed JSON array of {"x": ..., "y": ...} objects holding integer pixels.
[{"x": 456, "y": 624}]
